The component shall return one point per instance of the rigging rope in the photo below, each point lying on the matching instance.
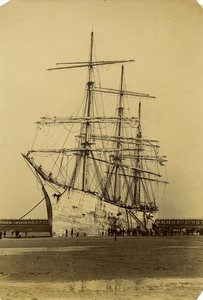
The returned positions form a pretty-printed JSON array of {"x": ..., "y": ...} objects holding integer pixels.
[
  {"x": 36, "y": 132},
  {"x": 25, "y": 214}
]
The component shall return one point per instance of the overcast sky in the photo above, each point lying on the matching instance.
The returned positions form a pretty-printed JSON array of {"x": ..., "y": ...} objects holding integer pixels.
[{"x": 166, "y": 40}]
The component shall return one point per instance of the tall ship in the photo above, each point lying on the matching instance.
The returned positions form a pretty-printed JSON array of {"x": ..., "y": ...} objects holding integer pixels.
[{"x": 97, "y": 171}]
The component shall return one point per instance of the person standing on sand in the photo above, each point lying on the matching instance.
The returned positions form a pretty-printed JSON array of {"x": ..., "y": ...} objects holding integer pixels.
[
  {"x": 115, "y": 235},
  {"x": 0, "y": 235},
  {"x": 115, "y": 228}
]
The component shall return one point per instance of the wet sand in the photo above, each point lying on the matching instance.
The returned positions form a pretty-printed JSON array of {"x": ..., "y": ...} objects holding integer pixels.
[{"x": 161, "y": 268}]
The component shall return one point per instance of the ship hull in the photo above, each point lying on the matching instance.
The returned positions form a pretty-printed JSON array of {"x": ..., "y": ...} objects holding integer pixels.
[{"x": 79, "y": 213}]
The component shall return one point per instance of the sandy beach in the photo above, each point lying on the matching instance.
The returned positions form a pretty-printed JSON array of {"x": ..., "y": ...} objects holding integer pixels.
[{"x": 162, "y": 268}]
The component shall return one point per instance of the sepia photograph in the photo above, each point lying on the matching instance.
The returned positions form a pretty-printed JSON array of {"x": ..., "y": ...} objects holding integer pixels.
[{"x": 101, "y": 105}]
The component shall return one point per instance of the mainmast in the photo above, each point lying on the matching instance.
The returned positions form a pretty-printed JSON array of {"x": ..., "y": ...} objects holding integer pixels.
[
  {"x": 117, "y": 158},
  {"x": 86, "y": 144},
  {"x": 137, "y": 166}
]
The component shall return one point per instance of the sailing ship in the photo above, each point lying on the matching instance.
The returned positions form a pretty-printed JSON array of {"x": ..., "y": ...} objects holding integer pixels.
[{"x": 104, "y": 175}]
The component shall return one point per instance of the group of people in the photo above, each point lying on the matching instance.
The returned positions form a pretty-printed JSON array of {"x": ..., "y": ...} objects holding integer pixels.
[
  {"x": 73, "y": 234},
  {"x": 17, "y": 234}
]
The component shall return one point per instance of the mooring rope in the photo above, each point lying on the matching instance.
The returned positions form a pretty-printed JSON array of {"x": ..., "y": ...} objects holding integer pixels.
[{"x": 24, "y": 214}]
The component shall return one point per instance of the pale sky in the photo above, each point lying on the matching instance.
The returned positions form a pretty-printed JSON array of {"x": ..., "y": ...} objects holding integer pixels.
[{"x": 166, "y": 40}]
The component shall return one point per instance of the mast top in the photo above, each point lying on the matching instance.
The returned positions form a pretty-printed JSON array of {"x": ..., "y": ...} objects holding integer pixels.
[
  {"x": 83, "y": 64},
  {"x": 90, "y": 63}
]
